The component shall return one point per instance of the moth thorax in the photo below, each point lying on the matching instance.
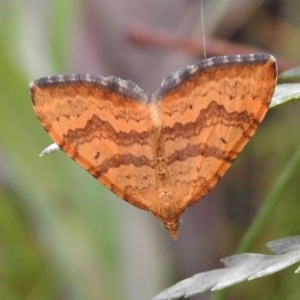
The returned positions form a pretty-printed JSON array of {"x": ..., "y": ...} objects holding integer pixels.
[
  {"x": 165, "y": 194},
  {"x": 168, "y": 209}
]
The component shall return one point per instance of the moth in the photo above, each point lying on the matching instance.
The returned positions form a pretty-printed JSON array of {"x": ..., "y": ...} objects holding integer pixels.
[{"x": 161, "y": 152}]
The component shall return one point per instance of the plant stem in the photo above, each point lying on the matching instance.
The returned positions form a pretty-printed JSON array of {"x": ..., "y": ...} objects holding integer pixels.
[{"x": 267, "y": 208}]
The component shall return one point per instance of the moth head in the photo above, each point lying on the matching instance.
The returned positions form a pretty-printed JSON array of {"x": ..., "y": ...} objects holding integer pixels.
[
  {"x": 172, "y": 227},
  {"x": 169, "y": 214}
]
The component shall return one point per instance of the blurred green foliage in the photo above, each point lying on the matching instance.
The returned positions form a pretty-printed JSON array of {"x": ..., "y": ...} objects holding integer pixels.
[{"x": 52, "y": 242}]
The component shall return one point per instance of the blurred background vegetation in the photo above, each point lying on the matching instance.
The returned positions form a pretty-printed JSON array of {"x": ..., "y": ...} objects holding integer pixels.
[{"x": 62, "y": 235}]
